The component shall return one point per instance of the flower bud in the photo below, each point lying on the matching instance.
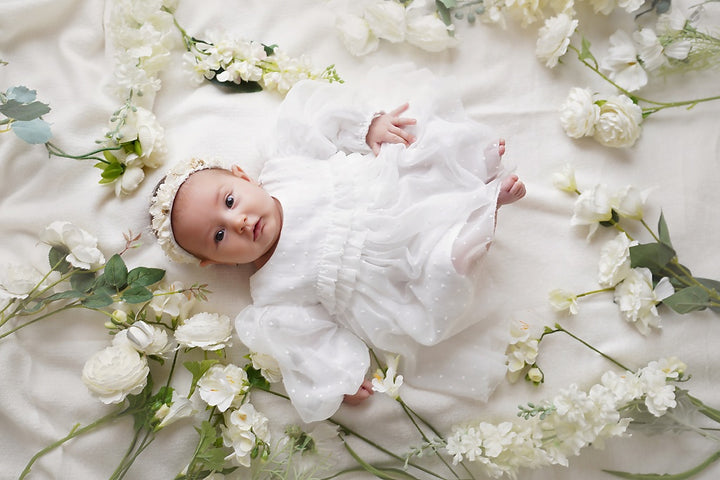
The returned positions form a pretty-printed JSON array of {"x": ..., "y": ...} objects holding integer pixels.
[{"x": 535, "y": 375}]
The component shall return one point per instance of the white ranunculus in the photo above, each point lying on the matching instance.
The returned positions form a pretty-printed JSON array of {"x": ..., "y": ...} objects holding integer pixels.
[
  {"x": 356, "y": 35},
  {"x": 579, "y": 113},
  {"x": 115, "y": 372},
  {"x": 386, "y": 20},
  {"x": 148, "y": 339},
  {"x": 243, "y": 427},
  {"x": 83, "y": 246},
  {"x": 636, "y": 298},
  {"x": 649, "y": 49},
  {"x": 180, "y": 407},
  {"x": 622, "y": 64},
  {"x": 175, "y": 305},
  {"x": 267, "y": 365},
  {"x": 592, "y": 207},
  {"x": 619, "y": 122},
  {"x": 129, "y": 181},
  {"x": 554, "y": 38},
  {"x": 429, "y": 32},
  {"x": 614, "y": 263},
  {"x": 222, "y": 385},
  {"x": 17, "y": 281},
  {"x": 209, "y": 331},
  {"x": 388, "y": 382},
  {"x": 563, "y": 301}
]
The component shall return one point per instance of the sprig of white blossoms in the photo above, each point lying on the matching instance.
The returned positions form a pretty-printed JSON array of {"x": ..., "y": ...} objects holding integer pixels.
[
  {"x": 244, "y": 428},
  {"x": 571, "y": 421},
  {"x": 522, "y": 351}
]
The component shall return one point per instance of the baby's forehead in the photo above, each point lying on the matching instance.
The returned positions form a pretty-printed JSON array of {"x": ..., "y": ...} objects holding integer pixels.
[{"x": 205, "y": 177}]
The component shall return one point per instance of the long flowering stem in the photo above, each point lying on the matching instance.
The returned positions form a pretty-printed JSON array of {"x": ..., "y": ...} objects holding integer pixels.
[
  {"x": 559, "y": 328},
  {"x": 54, "y": 150}
]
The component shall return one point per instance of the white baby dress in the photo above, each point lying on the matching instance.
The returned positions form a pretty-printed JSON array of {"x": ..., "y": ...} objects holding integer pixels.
[{"x": 371, "y": 247}]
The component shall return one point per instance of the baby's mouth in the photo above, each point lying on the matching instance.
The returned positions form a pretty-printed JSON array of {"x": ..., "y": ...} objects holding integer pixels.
[{"x": 257, "y": 229}]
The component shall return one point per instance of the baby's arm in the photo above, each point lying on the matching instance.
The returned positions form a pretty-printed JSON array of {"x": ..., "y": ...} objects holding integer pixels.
[
  {"x": 389, "y": 128},
  {"x": 361, "y": 395}
]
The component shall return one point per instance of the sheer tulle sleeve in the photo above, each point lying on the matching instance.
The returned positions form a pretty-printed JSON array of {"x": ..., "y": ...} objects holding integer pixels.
[
  {"x": 318, "y": 119},
  {"x": 319, "y": 360}
]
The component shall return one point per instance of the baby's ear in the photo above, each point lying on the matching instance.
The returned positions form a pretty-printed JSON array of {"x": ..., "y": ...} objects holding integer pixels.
[{"x": 239, "y": 172}]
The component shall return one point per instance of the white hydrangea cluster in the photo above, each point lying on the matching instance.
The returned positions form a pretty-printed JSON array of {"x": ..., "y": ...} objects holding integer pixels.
[{"x": 571, "y": 421}]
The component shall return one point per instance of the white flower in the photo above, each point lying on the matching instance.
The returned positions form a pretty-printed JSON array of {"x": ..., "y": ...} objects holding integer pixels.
[
  {"x": 209, "y": 331},
  {"x": 429, "y": 32},
  {"x": 659, "y": 396},
  {"x": 591, "y": 207},
  {"x": 528, "y": 11},
  {"x": 629, "y": 203},
  {"x": 630, "y": 5},
  {"x": 622, "y": 64},
  {"x": 619, "y": 122},
  {"x": 356, "y": 35},
  {"x": 175, "y": 305},
  {"x": 673, "y": 367},
  {"x": 17, "y": 281},
  {"x": 148, "y": 339},
  {"x": 625, "y": 387},
  {"x": 267, "y": 365},
  {"x": 83, "y": 254},
  {"x": 388, "y": 382},
  {"x": 614, "y": 263},
  {"x": 603, "y": 6},
  {"x": 243, "y": 427},
  {"x": 142, "y": 125},
  {"x": 535, "y": 375},
  {"x": 115, "y": 372},
  {"x": 554, "y": 38},
  {"x": 522, "y": 350},
  {"x": 649, "y": 49},
  {"x": 636, "y": 298},
  {"x": 180, "y": 407},
  {"x": 565, "y": 179},
  {"x": 386, "y": 20},
  {"x": 579, "y": 113},
  {"x": 222, "y": 385},
  {"x": 129, "y": 181},
  {"x": 563, "y": 300}
]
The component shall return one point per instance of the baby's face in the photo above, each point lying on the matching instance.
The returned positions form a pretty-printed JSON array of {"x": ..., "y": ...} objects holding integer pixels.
[{"x": 223, "y": 216}]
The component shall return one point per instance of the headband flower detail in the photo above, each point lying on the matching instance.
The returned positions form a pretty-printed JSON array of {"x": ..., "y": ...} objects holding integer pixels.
[{"x": 161, "y": 206}]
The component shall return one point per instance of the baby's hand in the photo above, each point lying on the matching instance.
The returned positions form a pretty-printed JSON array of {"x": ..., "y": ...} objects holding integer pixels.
[
  {"x": 390, "y": 128},
  {"x": 362, "y": 394}
]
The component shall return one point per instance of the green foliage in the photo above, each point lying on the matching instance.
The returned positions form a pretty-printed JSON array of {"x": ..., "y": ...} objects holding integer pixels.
[
  {"x": 255, "y": 378},
  {"x": 198, "y": 369},
  {"x": 23, "y": 114}
]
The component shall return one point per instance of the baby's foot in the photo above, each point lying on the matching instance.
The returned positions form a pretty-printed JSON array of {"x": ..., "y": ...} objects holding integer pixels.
[
  {"x": 511, "y": 190},
  {"x": 495, "y": 151}
]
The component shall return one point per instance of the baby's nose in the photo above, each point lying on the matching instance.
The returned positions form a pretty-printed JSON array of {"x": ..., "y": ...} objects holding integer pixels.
[{"x": 241, "y": 223}]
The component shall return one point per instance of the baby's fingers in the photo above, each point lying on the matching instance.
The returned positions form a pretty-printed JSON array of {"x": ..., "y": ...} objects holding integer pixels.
[{"x": 400, "y": 109}]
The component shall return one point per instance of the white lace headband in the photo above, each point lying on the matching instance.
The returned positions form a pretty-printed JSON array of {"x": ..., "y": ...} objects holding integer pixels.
[{"x": 161, "y": 206}]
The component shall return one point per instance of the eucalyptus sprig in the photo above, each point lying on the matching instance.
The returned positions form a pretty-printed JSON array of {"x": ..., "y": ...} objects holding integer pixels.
[{"x": 23, "y": 115}]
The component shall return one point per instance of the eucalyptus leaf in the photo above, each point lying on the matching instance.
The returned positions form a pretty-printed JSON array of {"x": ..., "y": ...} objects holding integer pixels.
[
  {"x": 56, "y": 259},
  {"x": 22, "y": 94},
  {"x": 24, "y": 111},
  {"x": 654, "y": 256},
  {"x": 137, "y": 294},
  {"x": 663, "y": 231},
  {"x": 688, "y": 299},
  {"x": 34, "y": 132},
  {"x": 443, "y": 12},
  {"x": 144, "y": 276},
  {"x": 97, "y": 300},
  {"x": 116, "y": 272},
  {"x": 198, "y": 369}
]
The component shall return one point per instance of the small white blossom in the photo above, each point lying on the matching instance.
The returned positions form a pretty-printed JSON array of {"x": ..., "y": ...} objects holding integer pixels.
[
  {"x": 565, "y": 179},
  {"x": 563, "y": 301},
  {"x": 129, "y": 181},
  {"x": 622, "y": 64},
  {"x": 630, "y": 202},
  {"x": 650, "y": 51},
  {"x": 222, "y": 385},
  {"x": 148, "y": 339},
  {"x": 637, "y": 298},
  {"x": 554, "y": 38},
  {"x": 614, "y": 263},
  {"x": 579, "y": 113},
  {"x": 242, "y": 430},
  {"x": 535, "y": 375},
  {"x": 356, "y": 35},
  {"x": 84, "y": 253},
  {"x": 115, "y": 372},
  {"x": 659, "y": 396},
  {"x": 267, "y": 365},
  {"x": 591, "y": 207},
  {"x": 386, "y": 20},
  {"x": 388, "y": 382},
  {"x": 522, "y": 349},
  {"x": 619, "y": 122},
  {"x": 209, "y": 331},
  {"x": 180, "y": 407}
]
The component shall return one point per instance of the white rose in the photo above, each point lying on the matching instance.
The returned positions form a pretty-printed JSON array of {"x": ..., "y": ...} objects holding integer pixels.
[
  {"x": 636, "y": 298},
  {"x": 84, "y": 253},
  {"x": 554, "y": 38},
  {"x": 115, "y": 372},
  {"x": 17, "y": 281},
  {"x": 148, "y": 339},
  {"x": 619, "y": 122},
  {"x": 563, "y": 300},
  {"x": 615, "y": 261},
  {"x": 386, "y": 20},
  {"x": 355, "y": 34},
  {"x": 129, "y": 181},
  {"x": 221, "y": 385},
  {"x": 429, "y": 33},
  {"x": 208, "y": 331},
  {"x": 579, "y": 113},
  {"x": 267, "y": 365}
]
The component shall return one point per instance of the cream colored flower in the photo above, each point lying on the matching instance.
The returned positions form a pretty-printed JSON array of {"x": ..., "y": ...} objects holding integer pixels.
[
  {"x": 619, "y": 122},
  {"x": 242, "y": 430},
  {"x": 388, "y": 382},
  {"x": 535, "y": 375},
  {"x": 636, "y": 298},
  {"x": 565, "y": 179},
  {"x": 630, "y": 202},
  {"x": 222, "y": 386},
  {"x": 115, "y": 372},
  {"x": 355, "y": 34},
  {"x": 129, "y": 181},
  {"x": 267, "y": 365},
  {"x": 175, "y": 305},
  {"x": 84, "y": 253},
  {"x": 579, "y": 113},
  {"x": 614, "y": 263},
  {"x": 386, "y": 20},
  {"x": 622, "y": 64},
  {"x": 592, "y": 207},
  {"x": 554, "y": 38},
  {"x": 650, "y": 51},
  {"x": 429, "y": 33},
  {"x": 209, "y": 331},
  {"x": 148, "y": 339},
  {"x": 180, "y": 407},
  {"x": 563, "y": 301}
]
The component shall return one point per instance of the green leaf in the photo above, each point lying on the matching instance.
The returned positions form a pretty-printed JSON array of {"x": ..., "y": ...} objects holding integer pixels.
[
  {"x": 98, "y": 300},
  {"x": 585, "y": 51},
  {"x": 654, "y": 256},
  {"x": 144, "y": 277},
  {"x": 109, "y": 157},
  {"x": 34, "y": 132},
  {"x": 256, "y": 379},
  {"x": 21, "y": 93},
  {"x": 112, "y": 171},
  {"x": 24, "y": 111},
  {"x": 116, "y": 272},
  {"x": 688, "y": 299},
  {"x": 56, "y": 258},
  {"x": 137, "y": 294},
  {"x": 269, "y": 49},
  {"x": 443, "y": 12},
  {"x": 82, "y": 281},
  {"x": 208, "y": 455},
  {"x": 663, "y": 231},
  {"x": 198, "y": 369},
  {"x": 242, "y": 87},
  {"x": 714, "y": 286},
  {"x": 64, "y": 295},
  {"x": 665, "y": 476}
]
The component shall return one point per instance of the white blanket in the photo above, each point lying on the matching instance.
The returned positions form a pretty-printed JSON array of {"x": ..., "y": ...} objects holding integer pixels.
[{"x": 60, "y": 49}]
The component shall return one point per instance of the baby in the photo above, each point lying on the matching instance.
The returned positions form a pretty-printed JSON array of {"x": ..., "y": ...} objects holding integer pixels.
[{"x": 365, "y": 229}]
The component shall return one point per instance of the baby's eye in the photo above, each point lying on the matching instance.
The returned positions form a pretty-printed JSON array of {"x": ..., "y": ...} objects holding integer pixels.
[
  {"x": 219, "y": 235},
  {"x": 229, "y": 201}
]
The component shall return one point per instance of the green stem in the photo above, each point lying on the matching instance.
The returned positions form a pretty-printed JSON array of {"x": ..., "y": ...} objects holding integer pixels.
[
  {"x": 66, "y": 307},
  {"x": 559, "y": 328},
  {"x": 75, "y": 432},
  {"x": 593, "y": 292},
  {"x": 54, "y": 150},
  {"x": 678, "y": 476},
  {"x": 131, "y": 456}
]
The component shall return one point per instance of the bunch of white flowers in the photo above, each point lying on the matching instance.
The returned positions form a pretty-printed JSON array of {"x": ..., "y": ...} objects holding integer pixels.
[
  {"x": 571, "y": 421},
  {"x": 522, "y": 351},
  {"x": 245, "y": 431}
]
